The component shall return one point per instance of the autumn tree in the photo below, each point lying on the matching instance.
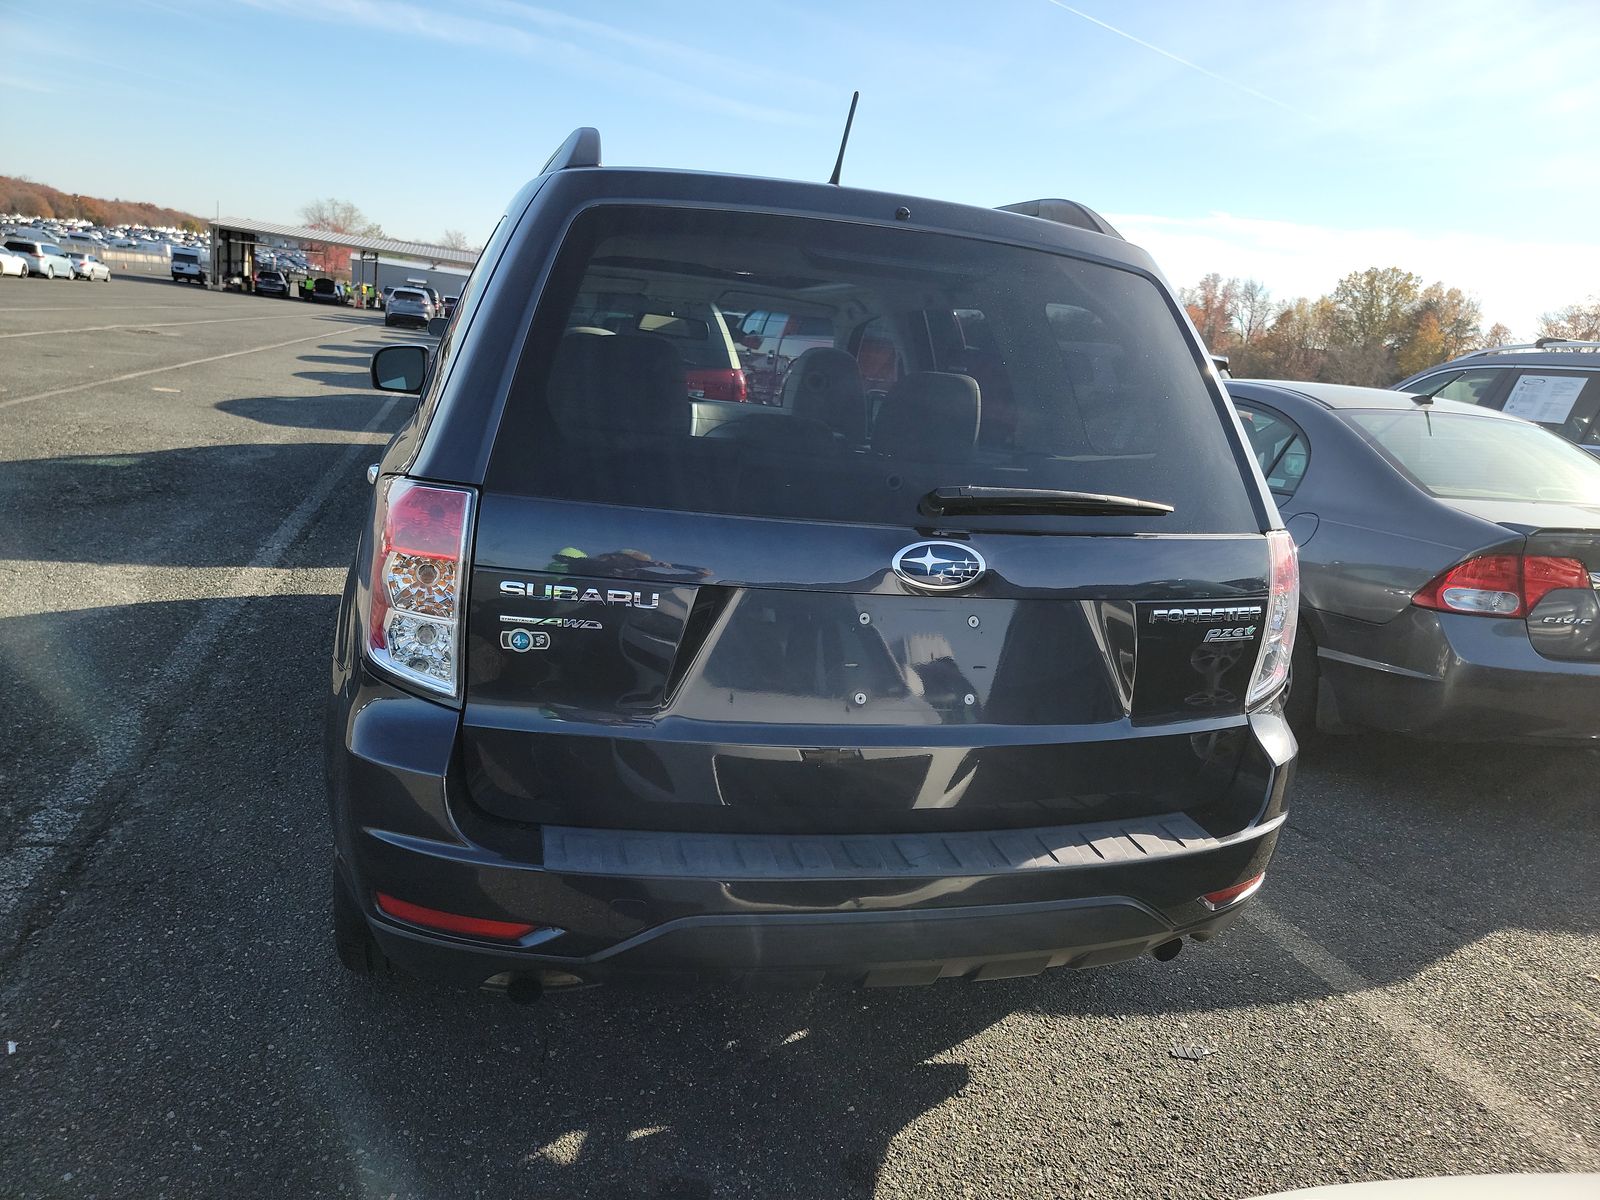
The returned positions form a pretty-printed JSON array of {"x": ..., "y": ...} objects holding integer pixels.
[
  {"x": 1293, "y": 344},
  {"x": 1496, "y": 335},
  {"x": 339, "y": 216},
  {"x": 1211, "y": 307},
  {"x": 1424, "y": 345},
  {"x": 1458, "y": 315},
  {"x": 1580, "y": 322}
]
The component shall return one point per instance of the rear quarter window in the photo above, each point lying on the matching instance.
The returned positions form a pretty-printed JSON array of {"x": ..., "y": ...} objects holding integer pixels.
[{"x": 921, "y": 361}]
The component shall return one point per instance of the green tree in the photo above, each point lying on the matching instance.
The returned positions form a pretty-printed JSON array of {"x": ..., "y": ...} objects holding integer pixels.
[{"x": 1371, "y": 306}]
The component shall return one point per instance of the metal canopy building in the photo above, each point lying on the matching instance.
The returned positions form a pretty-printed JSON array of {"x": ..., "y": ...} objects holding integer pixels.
[{"x": 234, "y": 241}]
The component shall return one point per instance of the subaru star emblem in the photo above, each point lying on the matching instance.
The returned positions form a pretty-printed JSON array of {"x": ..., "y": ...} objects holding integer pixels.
[{"x": 939, "y": 566}]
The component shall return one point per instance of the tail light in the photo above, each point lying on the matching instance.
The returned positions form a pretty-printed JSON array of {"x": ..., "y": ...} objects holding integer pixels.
[
  {"x": 1283, "y": 613},
  {"x": 418, "y": 583},
  {"x": 1233, "y": 895},
  {"x": 1500, "y": 585},
  {"x": 449, "y": 922},
  {"x": 718, "y": 383}
]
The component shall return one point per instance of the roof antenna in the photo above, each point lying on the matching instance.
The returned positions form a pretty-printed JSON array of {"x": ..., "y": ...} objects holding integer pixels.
[{"x": 845, "y": 140}]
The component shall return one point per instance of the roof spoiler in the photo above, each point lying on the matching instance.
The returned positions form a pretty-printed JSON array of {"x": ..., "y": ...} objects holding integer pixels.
[
  {"x": 581, "y": 149},
  {"x": 1064, "y": 212}
]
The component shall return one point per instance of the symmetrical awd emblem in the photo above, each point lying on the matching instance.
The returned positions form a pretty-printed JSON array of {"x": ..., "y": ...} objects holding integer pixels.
[
  {"x": 939, "y": 566},
  {"x": 523, "y": 640}
]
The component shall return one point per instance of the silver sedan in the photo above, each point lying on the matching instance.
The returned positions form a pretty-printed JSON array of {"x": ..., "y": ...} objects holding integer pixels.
[{"x": 87, "y": 266}]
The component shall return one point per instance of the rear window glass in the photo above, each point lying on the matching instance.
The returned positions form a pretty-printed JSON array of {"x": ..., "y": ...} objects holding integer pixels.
[
  {"x": 887, "y": 363},
  {"x": 1461, "y": 457},
  {"x": 404, "y": 294}
]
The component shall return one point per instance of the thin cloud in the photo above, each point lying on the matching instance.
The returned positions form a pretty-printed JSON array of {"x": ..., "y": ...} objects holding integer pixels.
[
  {"x": 681, "y": 54},
  {"x": 25, "y": 85},
  {"x": 411, "y": 20},
  {"x": 1184, "y": 62}
]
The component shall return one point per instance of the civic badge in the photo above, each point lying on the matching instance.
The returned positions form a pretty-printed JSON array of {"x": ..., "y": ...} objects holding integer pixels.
[
  {"x": 521, "y": 640},
  {"x": 939, "y": 566}
]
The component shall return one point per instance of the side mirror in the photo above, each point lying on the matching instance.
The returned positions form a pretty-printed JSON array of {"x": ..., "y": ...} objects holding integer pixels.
[
  {"x": 437, "y": 326},
  {"x": 400, "y": 368}
]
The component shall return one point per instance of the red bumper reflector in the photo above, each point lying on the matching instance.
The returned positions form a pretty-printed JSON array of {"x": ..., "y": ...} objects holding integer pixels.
[
  {"x": 1234, "y": 894},
  {"x": 433, "y": 918}
]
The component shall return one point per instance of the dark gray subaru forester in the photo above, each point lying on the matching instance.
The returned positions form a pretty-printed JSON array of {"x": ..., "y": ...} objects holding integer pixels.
[{"x": 955, "y": 647}]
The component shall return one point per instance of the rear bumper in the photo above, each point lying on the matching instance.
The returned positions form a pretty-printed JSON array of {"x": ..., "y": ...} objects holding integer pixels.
[
  {"x": 1456, "y": 678},
  {"x": 1002, "y": 941},
  {"x": 617, "y": 905}
]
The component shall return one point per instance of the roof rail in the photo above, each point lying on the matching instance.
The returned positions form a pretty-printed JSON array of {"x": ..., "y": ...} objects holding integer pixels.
[
  {"x": 1064, "y": 212},
  {"x": 581, "y": 149},
  {"x": 1543, "y": 344}
]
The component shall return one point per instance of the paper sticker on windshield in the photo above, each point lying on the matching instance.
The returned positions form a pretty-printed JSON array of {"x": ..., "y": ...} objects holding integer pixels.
[{"x": 1547, "y": 399}]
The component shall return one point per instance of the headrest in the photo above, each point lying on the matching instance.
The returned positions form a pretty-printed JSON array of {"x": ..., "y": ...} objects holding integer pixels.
[
  {"x": 824, "y": 384},
  {"x": 631, "y": 383},
  {"x": 930, "y": 415}
]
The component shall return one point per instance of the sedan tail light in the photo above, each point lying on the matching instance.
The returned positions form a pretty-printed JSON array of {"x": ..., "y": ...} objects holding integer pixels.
[
  {"x": 418, "y": 583},
  {"x": 718, "y": 383},
  {"x": 1500, "y": 585},
  {"x": 1283, "y": 613}
]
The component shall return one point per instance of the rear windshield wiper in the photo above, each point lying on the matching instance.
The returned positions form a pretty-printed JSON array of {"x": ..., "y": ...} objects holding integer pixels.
[{"x": 1004, "y": 501}]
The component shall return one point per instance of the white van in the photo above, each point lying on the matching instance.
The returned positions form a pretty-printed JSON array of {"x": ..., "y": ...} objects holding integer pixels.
[{"x": 188, "y": 266}]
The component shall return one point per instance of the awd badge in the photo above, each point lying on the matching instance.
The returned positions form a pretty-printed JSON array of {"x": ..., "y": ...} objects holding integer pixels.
[{"x": 523, "y": 640}]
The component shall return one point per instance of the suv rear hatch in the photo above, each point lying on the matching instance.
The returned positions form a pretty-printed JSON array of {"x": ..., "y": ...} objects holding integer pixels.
[{"x": 793, "y": 622}]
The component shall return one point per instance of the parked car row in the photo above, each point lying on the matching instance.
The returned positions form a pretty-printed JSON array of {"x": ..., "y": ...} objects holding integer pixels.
[{"x": 27, "y": 256}]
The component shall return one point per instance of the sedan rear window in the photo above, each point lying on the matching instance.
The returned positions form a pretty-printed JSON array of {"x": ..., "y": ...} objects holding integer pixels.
[
  {"x": 1457, "y": 456},
  {"x": 889, "y": 362}
]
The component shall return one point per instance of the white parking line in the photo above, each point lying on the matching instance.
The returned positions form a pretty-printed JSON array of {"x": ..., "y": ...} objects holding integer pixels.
[
  {"x": 103, "y": 308},
  {"x": 153, "y": 325},
  {"x": 193, "y": 362},
  {"x": 50, "y": 827},
  {"x": 1435, "y": 1049}
]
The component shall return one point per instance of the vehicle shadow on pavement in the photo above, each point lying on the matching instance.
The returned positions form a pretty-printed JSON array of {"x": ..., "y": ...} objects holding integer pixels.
[
  {"x": 758, "y": 1093},
  {"x": 132, "y": 509},
  {"x": 346, "y": 413},
  {"x": 346, "y": 380}
]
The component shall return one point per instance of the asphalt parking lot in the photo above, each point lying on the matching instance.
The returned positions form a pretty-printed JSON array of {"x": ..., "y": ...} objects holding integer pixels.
[{"x": 1416, "y": 992}]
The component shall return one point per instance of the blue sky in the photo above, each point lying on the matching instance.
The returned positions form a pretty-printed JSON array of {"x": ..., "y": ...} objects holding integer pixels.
[{"x": 1290, "y": 142}]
